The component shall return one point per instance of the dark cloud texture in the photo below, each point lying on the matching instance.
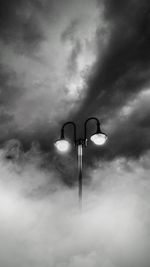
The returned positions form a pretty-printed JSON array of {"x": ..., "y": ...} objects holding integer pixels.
[{"x": 119, "y": 75}]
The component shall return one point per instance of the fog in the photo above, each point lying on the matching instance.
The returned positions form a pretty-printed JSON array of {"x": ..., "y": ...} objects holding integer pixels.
[{"x": 41, "y": 223}]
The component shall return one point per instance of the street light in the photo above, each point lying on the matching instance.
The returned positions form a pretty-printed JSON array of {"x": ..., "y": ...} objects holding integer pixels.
[
  {"x": 63, "y": 145},
  {"x": 99, "y": 138}
]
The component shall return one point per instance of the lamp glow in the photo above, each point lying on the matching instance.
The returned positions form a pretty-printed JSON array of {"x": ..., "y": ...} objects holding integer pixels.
[
  {"x": 62, "y": 145},
  {"x": 99, "y": 139}
]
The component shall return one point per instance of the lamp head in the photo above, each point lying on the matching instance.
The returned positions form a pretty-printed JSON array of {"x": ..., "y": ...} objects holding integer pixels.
[
  {"x": 99, "y": 138},
  {"x": 62, "y": 145}
]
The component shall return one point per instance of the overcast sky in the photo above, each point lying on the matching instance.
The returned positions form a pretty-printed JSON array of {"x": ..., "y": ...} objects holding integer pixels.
[{"x": 69, "y": 60}]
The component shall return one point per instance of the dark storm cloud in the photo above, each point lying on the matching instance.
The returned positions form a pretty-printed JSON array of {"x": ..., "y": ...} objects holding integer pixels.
[
  {"x": 20, "y": 33},
  {"x": 11, "y": 90},
  {"x": 131, "y": 136},
  {"x": 19, "y": 23},
  {"x": 9, "y": 87},
  {"x": 68, "y": 33},
  {"x": 72, "y": 61},
  {"x": 122, "y": 71},
  {"x": 118, "y": 76},
  {"x": 128, "y": 133},
  {"x": 9, "y": 93}
]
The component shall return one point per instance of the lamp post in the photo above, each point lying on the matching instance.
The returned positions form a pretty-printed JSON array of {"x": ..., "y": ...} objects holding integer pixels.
[{"x": 63, "y": 145}]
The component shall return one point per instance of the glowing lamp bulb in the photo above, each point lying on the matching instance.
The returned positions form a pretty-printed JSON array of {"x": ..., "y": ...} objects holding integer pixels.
[
  {"x": 99, "y": 139},
  {"x": 62, "y": 145}
]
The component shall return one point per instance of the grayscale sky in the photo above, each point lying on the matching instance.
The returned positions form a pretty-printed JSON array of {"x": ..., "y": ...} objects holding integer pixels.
[{"x": 69, "y": 60}]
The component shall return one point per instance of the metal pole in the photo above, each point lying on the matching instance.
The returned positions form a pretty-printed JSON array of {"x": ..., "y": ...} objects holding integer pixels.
[{"x": 80, "y": 156}]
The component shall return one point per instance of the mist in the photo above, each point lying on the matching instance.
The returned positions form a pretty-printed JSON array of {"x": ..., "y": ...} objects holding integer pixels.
[{"x": 41, "y": 223}]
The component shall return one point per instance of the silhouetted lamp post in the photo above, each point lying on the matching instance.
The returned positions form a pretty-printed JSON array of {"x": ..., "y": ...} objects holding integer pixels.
[{"x": 63, "y": 145}]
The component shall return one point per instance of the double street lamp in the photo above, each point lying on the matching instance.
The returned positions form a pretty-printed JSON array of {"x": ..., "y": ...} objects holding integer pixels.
[{"x": 63, "y": 145}]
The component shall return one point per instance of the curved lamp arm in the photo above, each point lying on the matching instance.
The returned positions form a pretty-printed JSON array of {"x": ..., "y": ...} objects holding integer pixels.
[
  {"x": 85, "y": 126},
  {"x": 63, "y": 128}
]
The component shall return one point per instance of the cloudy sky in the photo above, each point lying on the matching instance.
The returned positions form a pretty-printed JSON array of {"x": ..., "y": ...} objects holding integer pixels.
[{"x": 70, "y": 60}]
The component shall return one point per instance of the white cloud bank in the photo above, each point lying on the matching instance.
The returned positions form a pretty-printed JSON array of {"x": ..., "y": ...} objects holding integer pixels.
[{"x": 41, "y": 224}]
